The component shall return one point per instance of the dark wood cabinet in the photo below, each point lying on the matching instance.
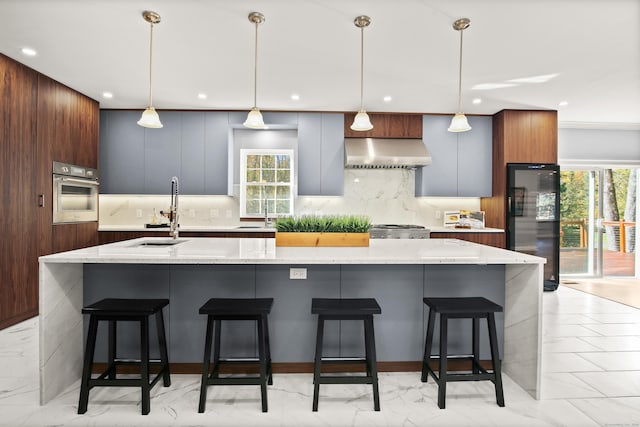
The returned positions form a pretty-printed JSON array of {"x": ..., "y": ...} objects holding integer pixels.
[
  {"x": 41, "y": 120},
  {"x": 519, "y": 136},
  {"x": 387, "y": 126},
  {"x": 19, "y": 224},
  {"x": 489, "y": 239},
  {"x": 67, "y": 237}
]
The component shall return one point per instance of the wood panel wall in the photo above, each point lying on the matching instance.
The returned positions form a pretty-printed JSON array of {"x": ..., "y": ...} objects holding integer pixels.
[
  {"x": 387, "y": 126},
  {"x": 40, "y": 120}
]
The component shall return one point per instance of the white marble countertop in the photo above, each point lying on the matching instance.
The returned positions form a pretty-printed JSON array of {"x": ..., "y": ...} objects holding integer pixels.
[
  {"x": 438, "y": 229},
  {"x": 202, "y": 250},
  {"x": 193, "y": 228},
  {"x": 258, "y": 228}
]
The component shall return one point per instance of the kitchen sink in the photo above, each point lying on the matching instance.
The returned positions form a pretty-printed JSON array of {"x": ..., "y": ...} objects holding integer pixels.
[{"x": 158, "y": 242}]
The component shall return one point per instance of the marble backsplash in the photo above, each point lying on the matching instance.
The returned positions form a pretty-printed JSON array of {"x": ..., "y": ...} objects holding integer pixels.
[{"x": 385, "y": 195}]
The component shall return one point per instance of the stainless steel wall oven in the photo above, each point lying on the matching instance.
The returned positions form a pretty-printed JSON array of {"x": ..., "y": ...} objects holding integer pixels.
[{"x": 75, "y": 193}]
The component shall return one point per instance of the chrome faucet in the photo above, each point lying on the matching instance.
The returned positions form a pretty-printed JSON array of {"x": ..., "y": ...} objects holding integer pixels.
[{"x": 172, "y": 214}]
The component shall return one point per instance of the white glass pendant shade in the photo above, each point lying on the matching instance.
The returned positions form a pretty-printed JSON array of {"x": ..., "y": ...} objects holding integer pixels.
[
  {"x": 459, "y": 123},
  {"x": 150, "y": 119},
  {"x": 254, "y": 120},
  {"x": 361, "y": 122}
]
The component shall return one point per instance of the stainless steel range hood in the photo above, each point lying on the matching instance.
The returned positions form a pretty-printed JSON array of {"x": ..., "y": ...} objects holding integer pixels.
[{"x": 385, "y": 153}]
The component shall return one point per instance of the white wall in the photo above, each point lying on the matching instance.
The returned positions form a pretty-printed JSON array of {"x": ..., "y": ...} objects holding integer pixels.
[{"x": 598, "y": 147}]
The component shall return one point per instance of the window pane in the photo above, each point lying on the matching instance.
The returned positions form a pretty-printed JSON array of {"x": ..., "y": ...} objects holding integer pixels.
[
  {"x": 283, "y": 175},
  {"x": 282, "y": 192},
  {"x": 268, "y": 162},
  {"x": 253, "y": 161},
  {"x": 283, "y": 161},
  {"x": 253, "y": 207},
  {"x": 283, "y": 207},
  {"x": 253, "y": 175},
  {"x": 253, "y": 192},
  {"x": 269, "y": 191},
  {"x": 268, "y": 175},
  {"x": 271, "y": 204}
]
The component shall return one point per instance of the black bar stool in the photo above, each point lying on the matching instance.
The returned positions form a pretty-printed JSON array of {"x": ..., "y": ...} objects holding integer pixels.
[
  {"x": 219, "y": 309},
  {"x": 116, "y": 310},
  {"x": 346, "y": 309},
  {"x": 462, "y": 308}
]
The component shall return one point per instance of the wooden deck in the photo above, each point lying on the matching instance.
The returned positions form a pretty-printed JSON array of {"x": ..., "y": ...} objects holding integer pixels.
[{"x": 574, "y": 261}]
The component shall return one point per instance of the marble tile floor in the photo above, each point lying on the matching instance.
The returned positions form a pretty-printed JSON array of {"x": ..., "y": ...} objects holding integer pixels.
[{"x": 591, "y": 377}]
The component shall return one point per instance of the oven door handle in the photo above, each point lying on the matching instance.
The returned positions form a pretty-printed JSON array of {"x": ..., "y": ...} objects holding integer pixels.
[{"x": 80, "y": 181}]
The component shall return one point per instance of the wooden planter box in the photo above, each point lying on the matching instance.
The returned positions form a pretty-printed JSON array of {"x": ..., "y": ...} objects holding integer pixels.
[{"x": 322, "y": 239}]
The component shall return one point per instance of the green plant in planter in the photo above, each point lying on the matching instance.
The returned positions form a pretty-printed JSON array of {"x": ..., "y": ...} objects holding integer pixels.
[{"x": 324, "y": 224}]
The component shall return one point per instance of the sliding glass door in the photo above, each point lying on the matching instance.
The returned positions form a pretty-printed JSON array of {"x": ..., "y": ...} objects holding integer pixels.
[{"x": 598, "y": 221}]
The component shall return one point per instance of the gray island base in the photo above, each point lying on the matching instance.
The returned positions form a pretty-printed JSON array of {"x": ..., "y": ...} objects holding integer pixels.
[{"x": 398, "y": 273}]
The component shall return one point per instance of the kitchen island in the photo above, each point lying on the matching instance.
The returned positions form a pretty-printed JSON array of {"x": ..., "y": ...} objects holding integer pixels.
[{"x": 398, "y": 273}]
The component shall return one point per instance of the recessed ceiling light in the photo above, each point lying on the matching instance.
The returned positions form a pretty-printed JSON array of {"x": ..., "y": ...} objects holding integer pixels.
[
  {"x": 477, "y": 101},
  {"x": 563, "y": 104},
  {"x": 295, "y": 97},
  {"x": 28, "y": 51},
  {"x": 202, "y": 95},
  {"x": 387, "y": 98},
  {"x": 107, "y": 95}
]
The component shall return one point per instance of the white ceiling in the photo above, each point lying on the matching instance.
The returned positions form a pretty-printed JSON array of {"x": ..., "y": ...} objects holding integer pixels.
[{"x": 312, "y": 48}]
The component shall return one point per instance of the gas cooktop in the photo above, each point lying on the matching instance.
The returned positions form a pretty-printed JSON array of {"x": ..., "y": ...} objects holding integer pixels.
[
  {"x": 399, "y": 231},
  {"x": 398, "y": 226}
]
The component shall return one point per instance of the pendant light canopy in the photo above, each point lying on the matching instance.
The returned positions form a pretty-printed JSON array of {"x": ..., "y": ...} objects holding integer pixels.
[
  {"x": 150, "y": 118},
  {"x": 361, "y": 121},
  {"x": 459, "y": 122},
  {"x": 254, "y": 118}
]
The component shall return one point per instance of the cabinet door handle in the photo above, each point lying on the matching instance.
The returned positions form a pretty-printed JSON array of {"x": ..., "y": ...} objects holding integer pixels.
[{"x": 41, "y": 200}]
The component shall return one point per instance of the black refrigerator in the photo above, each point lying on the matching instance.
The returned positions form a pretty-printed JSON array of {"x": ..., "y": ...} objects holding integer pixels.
[{"x": 533, "y": 214}]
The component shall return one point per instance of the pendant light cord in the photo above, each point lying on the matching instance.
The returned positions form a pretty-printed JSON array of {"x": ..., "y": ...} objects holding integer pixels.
[
  {"x": 150, "y": 68},
  {"x": 255, "y": 70},
  {"x": 460, "y": 75},
  {"x": 361, "y": 68}
]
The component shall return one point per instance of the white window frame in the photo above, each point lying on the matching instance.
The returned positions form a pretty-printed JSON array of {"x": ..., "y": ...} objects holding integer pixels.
[{"x": 244, "y": 153}]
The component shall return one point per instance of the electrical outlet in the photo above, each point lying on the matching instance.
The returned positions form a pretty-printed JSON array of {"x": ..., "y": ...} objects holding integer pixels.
[
  {"x": 214, "y": 213},
  {"x": 438, "y": 214},
  {"x": 192, "y": 213},
  {"x": 138, "y": 213},
  {"x": 298, "y": 273}
]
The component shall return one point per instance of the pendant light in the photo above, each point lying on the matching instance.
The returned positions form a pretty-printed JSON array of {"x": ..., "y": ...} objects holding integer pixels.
[
  {"x": 459, "y": 122},
  {"x": 150, "y": 118},
  {"x": 361, "y": 122},
  {"x": 254, "y": 118}
]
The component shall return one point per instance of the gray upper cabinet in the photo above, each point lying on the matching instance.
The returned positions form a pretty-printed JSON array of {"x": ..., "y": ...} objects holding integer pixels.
[
  {"x": 191, "y": 145},
  {"x": 475, "y": 155},
  {"x": 216, "y": 136},
  {"x": 461, "y": 162},
  {"x": 162, "y": 154},
  {"x": 192, "y": 153},
  {"x": 320, "y": 154},
  {"x": 121, "y": 152}
]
